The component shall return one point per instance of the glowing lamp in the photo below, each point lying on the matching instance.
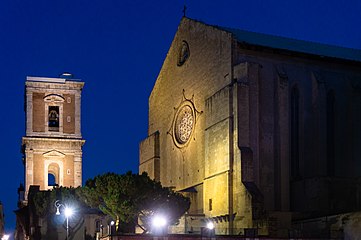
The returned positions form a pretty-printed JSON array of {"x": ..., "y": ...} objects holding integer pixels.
[
  {"x": 5, "y": 237},
  {"x": 159, "y": 221},
  {"x": 68, "y": 212},
  {"x": 210, "y": 225}
]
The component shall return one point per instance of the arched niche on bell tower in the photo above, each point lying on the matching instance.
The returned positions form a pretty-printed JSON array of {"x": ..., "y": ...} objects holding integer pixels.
[
  {"x": 53, "y": 113},
  {"x": 54, "y": 165},
  {"x": 53, "y": 175}
]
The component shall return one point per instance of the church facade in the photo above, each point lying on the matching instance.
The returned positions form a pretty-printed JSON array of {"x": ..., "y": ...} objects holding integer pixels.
[{"x": 259, "y": 131}]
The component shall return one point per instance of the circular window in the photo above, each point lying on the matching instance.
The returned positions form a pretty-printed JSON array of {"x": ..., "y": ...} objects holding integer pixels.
[
  {"x": 183, "y": 54},
  {"x": 184, "y": 124}
]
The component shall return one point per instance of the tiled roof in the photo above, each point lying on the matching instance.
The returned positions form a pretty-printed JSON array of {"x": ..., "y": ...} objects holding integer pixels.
[{"x": 294, "y": 45}]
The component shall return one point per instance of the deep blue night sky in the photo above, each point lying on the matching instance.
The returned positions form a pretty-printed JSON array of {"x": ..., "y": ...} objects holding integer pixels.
[{"x": 117, "y": 48}]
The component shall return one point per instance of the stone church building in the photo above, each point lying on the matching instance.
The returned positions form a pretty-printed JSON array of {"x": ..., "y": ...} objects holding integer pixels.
[{"x": 261, "y": 132}]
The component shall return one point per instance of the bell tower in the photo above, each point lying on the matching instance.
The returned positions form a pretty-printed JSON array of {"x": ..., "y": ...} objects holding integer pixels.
[{"x": 52, "y": 146}]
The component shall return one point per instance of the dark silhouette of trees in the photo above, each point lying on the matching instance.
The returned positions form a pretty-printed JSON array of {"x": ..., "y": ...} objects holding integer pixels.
[
  {"x": 131, "y": 196},
  {"x": 131, "y": 199}
]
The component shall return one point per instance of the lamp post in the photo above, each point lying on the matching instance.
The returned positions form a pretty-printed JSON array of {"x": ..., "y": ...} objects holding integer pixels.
[
  {"x": 111, "y": 226},
  {"x": 68, "y": 212}
]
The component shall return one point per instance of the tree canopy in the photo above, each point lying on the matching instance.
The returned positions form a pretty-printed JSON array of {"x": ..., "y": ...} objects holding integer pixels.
[
  {"x": 129, "y": 196},
  {"x": 43, "y": 201},
  {"x": 125, "y": 197}
]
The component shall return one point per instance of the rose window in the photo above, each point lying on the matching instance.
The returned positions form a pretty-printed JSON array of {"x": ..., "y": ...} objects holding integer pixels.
[{"x": 184, "y": 124}]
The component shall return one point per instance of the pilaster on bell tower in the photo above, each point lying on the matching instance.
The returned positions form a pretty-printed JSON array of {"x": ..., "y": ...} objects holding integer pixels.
[{"x": 52, "y": 147}]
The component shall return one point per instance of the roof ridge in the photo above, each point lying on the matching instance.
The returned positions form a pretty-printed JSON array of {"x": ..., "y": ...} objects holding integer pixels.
[
  {"x": 283, "y": 37},
  {"x": 289, "y": 43}
]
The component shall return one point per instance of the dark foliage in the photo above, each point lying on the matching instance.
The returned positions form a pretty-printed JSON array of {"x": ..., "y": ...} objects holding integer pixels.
[
  {"x": 125, "y": 198},
  {"x": 129, "y": 196}
]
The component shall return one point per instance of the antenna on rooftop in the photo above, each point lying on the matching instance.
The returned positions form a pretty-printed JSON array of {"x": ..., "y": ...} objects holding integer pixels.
[
  {"x": 66, "y": 75},
  {"x": 184, "y": 10}
]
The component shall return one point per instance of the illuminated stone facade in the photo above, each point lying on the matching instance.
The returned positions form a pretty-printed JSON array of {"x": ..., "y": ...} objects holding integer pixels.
[
  {"x": 52, "y": 147},
  {"x": 257, "y": 130}
]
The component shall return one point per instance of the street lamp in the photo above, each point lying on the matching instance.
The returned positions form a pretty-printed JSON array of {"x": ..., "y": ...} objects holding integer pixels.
[
  {"x": 110, "y": 226},
  {"x": 5, "y": 237},
  {"x": 210, "y": 225},
  {"x": 159, "y": 223},
  {"x": 209, "y": 230},
  {"x": 68, "y": 212}
]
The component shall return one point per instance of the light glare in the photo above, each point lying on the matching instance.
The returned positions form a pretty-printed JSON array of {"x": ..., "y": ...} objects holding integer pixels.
[
  {"x": 210, "y": 225},
  {"x": 159, "y": 221},
  {"x": 68, "y": 212},
  {"x": 5, "y": 237}
]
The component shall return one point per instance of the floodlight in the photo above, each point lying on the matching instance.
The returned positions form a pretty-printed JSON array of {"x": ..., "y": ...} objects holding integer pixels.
[{"x": 159, "y": 221}]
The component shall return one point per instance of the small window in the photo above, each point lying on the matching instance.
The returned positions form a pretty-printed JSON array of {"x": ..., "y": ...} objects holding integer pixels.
[
  {"x": 68, "y": 99},
  {"x": 68, "y": 171},
  {"x": 53, "y": 118},
  {"x": 183, "y": 54},
  {"x": 68, "y": 119},
  {"x": 210, "y": 205},
  {"x": 97, "y": 225}
]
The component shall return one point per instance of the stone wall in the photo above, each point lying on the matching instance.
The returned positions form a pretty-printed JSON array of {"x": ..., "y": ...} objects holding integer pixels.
[
  {"x": 149, "y": 156},
  {"x": 69, "y": 114},
  {"x": 40, "y": 94},
  {"x": 264, "y": 123},
  {"x": 40, "y": 154}
]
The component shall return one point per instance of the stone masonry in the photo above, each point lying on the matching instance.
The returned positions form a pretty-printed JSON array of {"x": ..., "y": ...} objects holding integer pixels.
[{"x": 53, "y": 142}]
